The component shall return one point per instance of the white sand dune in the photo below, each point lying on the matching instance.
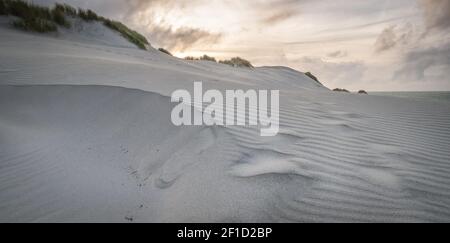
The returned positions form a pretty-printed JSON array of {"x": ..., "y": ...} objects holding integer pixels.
[{"x": 85, "y": 135}]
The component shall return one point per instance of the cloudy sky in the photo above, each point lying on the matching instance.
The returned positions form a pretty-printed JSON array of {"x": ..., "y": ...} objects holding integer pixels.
[{"x": 377, "y": 45}]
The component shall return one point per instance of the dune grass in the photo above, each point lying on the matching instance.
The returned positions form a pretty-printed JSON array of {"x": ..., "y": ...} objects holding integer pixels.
[
  {"x": 45, "y": 19},
  {"x": 25, "y": 10},
  {"x": 66, "y": 9},
  {"x": 88, "y": 15},
  {"x": 3, "y": 8},
  {"x": 33, "y": 17},
  {"x": 60, "y": 18},
  {"x": 36, "y": 25},
  {"x": 131, "y": 35}
]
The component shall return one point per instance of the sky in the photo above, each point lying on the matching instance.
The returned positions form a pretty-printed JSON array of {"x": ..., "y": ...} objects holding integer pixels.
[{"x": 375, "y": 45}]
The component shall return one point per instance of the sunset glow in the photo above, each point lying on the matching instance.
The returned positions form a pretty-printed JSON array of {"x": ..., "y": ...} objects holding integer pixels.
[{"x": 346, "y": 44}]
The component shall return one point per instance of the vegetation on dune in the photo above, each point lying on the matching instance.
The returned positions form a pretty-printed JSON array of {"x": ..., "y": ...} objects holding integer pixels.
[
  {"x": 25, "y": 10},
  {"x": 66, "y": 9},
  {"x": 202, "y": 58},
  {"x": 310, "y": 75},
  {"x": 60, "y": 18},
  {"x": 362, "y": 92},
  {"x": 36, "y": 24},
  {"x": 234, "y": 62},
  {"x": 346, "y": 91},
  {"x": 131, "y": 35},
  {"x": 165, "y": 51},
  {"x": 33, "y": 17},
  {"x": 226, "y": 62},
  {"x": 189, "y": 58},
  {"x": 341, "y": 90},
  {"x": 237, "y": 62},
  {"x": 44, "y": 19},
  {"x": 207, "y": 58},
  {"x": 88, "y": 15},
  {"x": 3, "y": 8}
]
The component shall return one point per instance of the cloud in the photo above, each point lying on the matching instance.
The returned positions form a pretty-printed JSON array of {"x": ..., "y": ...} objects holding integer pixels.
[
  {"x": 368, "y": 24},
  {"x": 334, "y": 74},
  {"x": 394, "y": 36},
  {"x": 275, "y": 11},
  {"x": 436, "y": 14},
  {"x": 140, "y": 6},
  {"x": 160, "y": 31},
  {"x": 424, "y": 56},
  {"x": 182, "y": 38},
  {"x": 425, "y": 64},
  {"x": 280, "y": 16},
  {"x": 430, "y": 62},
  {"x": 337, "y": 54},
  {"x": 386, "y": 40},
  {"x": 140, "y": 15}
]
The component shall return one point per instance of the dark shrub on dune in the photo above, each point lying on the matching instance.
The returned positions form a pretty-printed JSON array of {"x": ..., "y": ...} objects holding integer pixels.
[
  {"x": 362, "y": 92},
  {"x": 234, "y": 62},
  {"x": 241, "y": 62},
  {"x": 237, "y": 62},
  {"x": 207, "y": 58},
  {"x": 310, "y": 75},
  {"x": 202, "y": 58},
  {"x": 341, "y": 90},
  {"x": 165, "y": 51},
  {"x": 226, "y": 62},
  {"x": 189, "y": 58}
]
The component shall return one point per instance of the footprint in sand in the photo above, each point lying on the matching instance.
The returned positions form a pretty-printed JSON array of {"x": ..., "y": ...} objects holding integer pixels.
[{"x": 185, "y": 157}]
